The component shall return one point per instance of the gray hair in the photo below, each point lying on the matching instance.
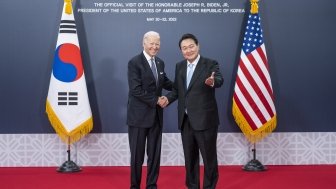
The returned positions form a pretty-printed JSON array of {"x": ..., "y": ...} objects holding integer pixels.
[{"x": 150, "y": 33}]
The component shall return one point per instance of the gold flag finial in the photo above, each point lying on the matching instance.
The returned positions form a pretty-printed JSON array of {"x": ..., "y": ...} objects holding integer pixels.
[
  {"x": 68, "y": 6},
  {"x": 254, "y": 6}
]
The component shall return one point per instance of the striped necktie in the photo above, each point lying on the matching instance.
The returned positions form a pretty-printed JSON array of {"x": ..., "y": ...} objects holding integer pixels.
[{"x": 153, "y": 68}]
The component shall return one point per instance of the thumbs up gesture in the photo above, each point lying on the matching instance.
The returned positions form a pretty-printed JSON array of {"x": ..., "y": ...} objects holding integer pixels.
[{"x": 210, "y": 80}]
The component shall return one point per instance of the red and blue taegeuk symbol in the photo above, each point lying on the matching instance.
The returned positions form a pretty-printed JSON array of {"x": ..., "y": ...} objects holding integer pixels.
[{"x": 67, "y": 63}]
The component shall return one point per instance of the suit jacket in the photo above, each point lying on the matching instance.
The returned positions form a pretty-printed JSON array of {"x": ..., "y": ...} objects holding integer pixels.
[
  {"x": 143, "y": 91},
  {"x": 199, "y": 99}
]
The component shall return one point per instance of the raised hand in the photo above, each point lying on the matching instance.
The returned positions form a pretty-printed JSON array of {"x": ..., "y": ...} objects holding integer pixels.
[{"x": 211, "y": 80}]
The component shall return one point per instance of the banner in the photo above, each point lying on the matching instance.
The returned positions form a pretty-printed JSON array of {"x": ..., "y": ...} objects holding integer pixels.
[
  {"x": 68, "y": 106},
  {"x": 253, "y": 100}
]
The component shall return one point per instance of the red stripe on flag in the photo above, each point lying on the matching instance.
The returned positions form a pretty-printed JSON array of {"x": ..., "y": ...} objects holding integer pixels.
[
  {"x": 256, "y": 88},
  {"x": 259, "y": 71},
  {"x": 263, "y": 56},
  {"x": 260, "y": 74},
  {"x": 250, "y": 100},
  {"x": 244, "y": 112}
]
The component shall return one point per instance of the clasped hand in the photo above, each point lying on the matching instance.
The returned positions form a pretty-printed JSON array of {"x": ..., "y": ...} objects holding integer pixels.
[{"x": 163, "y": 101}]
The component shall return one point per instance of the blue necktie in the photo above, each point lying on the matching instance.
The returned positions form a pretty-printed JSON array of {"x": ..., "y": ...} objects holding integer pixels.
[
  {"x": 153, "y": 67},
  {"x": 190, "y": 73}
]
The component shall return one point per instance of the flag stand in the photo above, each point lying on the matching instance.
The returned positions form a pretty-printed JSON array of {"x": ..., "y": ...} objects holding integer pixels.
[
  {"x": 69, "y": 166},
  {"x": 254, "y": 164}
]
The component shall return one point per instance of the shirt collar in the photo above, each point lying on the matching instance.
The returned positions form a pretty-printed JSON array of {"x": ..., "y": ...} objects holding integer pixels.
[
  {"x": 195, "y": 61},
  {"x": 148, "y": 58}
]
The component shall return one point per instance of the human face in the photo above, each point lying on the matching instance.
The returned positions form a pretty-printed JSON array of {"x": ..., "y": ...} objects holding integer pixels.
[
  {"x": 189, "y": 49},
  {"x": 151, "y": 45}
]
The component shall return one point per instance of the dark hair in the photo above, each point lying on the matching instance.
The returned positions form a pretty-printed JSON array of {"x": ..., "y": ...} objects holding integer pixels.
[{"x": 188, "y": 36}]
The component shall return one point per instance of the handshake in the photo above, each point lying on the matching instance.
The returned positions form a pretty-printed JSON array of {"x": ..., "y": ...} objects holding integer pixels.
[{"x": 162, "y": 101}]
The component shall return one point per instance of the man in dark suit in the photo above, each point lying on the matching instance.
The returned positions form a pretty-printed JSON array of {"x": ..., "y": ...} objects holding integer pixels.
[
  {"x": 146, "y": 79},
  {"x": 196, "y": 78}
]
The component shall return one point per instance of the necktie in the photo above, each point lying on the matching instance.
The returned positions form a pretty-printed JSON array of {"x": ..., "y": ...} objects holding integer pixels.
[
  {"x": 190, "y": 73},
  {"x": 153, "y": 67}
]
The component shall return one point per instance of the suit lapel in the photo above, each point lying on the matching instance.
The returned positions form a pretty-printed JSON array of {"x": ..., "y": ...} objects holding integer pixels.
[
  {"x": 145, "y": 63},
  {"x": 183, "y": 73},
  {"x": 159, "y": 69},
  {"x": 147, "y": 67}
]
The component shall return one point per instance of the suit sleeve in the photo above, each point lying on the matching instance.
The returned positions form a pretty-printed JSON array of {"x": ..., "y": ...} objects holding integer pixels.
[
  {"x": 167, "y": 83},
  {"x": 173, "y": 95},
  {"x": 136, "y": 87}
]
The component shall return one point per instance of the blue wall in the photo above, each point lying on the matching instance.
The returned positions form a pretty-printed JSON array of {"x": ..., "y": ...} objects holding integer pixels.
[{"x": 300, "y": 44}]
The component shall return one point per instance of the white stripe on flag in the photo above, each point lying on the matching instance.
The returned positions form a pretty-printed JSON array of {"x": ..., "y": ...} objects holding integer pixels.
[
  {"x": 267, "y": 75},
  {"x": 247, "y": 106},
  {"x": 262, "y": 65},
  {"x": 257, "y": 79},
  {"x": 253, "y": 94}
]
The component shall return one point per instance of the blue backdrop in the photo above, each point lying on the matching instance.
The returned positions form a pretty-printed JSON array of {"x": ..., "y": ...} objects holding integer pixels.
[{"x": 299, "y": 37}]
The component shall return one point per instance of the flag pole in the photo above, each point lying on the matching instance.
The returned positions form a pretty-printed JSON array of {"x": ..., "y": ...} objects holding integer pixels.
[
  {"x": 254, "y": 164},
  {"x": 68, "y": 106},
  {"x": 253, "y": 101},
  {"x": 69, "y": 166}
]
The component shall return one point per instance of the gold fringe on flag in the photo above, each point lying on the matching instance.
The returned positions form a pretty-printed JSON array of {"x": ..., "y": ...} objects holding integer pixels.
[
  {"x": 68, "y": 6},
  {"x": 68, "y": 137},
  {"x": 254, "y": 6},
  {"x": 252, "y": 136}
]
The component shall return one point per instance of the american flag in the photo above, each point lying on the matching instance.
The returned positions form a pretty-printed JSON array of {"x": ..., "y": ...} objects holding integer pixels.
[{"x": 253, "y": 100}]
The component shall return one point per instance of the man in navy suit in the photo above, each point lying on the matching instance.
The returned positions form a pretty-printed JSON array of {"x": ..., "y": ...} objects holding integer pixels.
[
  {"x": 196, "y": 78},
  {"x": 146, "y": 79}
]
